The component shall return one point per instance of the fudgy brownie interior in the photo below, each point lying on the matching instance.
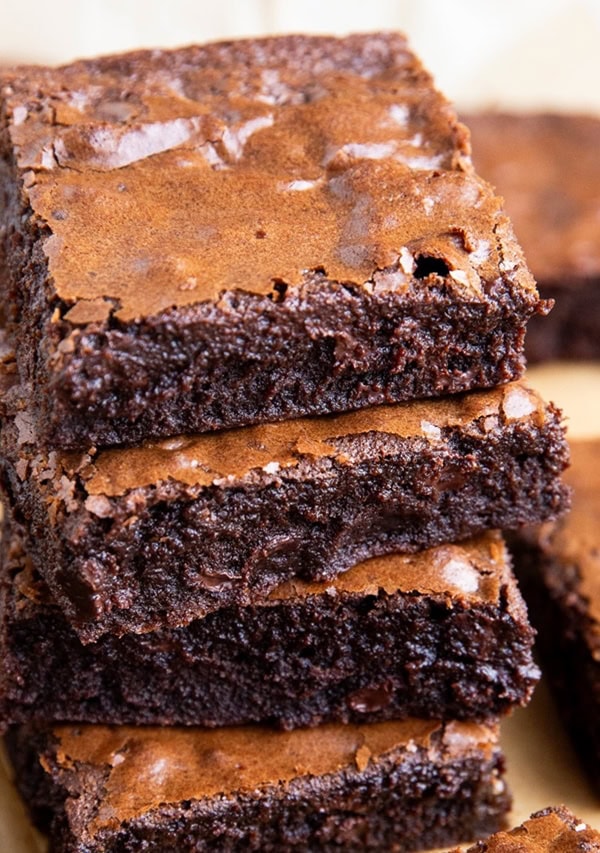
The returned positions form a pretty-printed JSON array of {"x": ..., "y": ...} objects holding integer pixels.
[
  {"x": 441, "y": 633},
  {"x": 139, "y": 538}
]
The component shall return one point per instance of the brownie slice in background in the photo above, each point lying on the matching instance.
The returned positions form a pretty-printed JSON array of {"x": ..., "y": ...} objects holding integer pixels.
[
  {"x": 442, "y": 633},
  {"x": 140, "y": 538},
  {"x": 551, "y": 830},
  {"x": 386, "y": 786},
  {"x": 546, "y": 167},
  {"x": 559, "y": 566},
  {"x": 247, "y": 232}
]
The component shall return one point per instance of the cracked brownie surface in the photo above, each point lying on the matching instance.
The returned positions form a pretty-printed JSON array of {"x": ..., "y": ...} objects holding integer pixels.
[
  {"x": 395, "y": 786},
  {"x": 244, "y": 232},
  {"x": 551, "y": 830}
]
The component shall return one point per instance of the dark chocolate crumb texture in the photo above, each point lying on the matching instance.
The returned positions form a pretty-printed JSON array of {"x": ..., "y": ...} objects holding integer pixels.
[
  {"x": 551, "y": 830},
  {"x": 386, "y": 786},
  {"x": 138, "y": 538},
  {"x": 442, "y": 633},
  {"x": 560, "y": 567},
  {"x": 546, "y": 167},
  {"x": 246, "y": 232}
]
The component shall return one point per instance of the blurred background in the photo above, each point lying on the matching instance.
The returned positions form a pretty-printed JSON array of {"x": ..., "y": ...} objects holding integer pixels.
[{"x": 502, "y": 53}]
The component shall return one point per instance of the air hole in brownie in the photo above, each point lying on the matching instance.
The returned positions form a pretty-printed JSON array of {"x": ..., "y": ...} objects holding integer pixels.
[
  {"x": 426, "y": 265},
  {"x": 308, "y": 652},
  {"x": 280, "y": 288}
]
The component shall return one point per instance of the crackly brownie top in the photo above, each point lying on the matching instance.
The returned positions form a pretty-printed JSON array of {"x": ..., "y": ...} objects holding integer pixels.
[
  {"x": 268, "y": 451},
  {"x": 166, "y": 178},
  {"x": 546, "y": 167},
  {"x": 476, "y": 570},
  {"x": 551, "y": 830},
  {"x": 147, "y": 767},
  {"x": 575, "y": 539}
]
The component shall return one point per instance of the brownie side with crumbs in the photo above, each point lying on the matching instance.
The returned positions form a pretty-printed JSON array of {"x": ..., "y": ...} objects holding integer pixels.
[
  {"x": 546, "y": 167},
  {"x": 314, "y": 239},
  {"x": 442, "y": 633},
  {"x": 387, "y": 786},
  {"x": 157, "y": 535},
  {"x": 559, "y": 565}
]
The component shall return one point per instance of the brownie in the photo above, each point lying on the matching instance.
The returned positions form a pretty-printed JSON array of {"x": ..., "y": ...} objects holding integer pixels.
[
  {"x": 394, "y": 786},
  {"x": 132, "y": 539},
  {"x": 546, "y": 167},
  {"x": 246, "y": 232},
  {"x": 551, "y": 830},
  {"x": 560, "y": 568},
  {"x": 442, "y": 633}
]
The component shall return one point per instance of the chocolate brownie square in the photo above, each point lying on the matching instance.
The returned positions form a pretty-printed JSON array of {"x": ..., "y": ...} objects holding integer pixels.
[
  {"x": 386, "y": 786},
  {"x": 442, "y": 633},
  {"x": 246, "y": 232},
  {"x": 551, "y": 830},
  {"x": 133, "y": 539},
  {"x": 560, "y": 568},
  {"x": 546, "y": 167}
]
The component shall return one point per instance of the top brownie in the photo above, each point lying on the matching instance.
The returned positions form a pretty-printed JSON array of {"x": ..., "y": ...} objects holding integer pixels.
[{"x": 244, "y": 232}]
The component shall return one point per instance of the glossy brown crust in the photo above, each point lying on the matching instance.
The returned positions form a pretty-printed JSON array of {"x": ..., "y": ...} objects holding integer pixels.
[
  {"x": 546, "y": 167},
  {"x": 137, "y": 539},
  {"x": 551, "y": 830},
  {"x": 360, "y": 648},
  {"x": 232, "y": 456},
  {"x": 307, "y": 181},
  {"x": 253, "y": 789},
  {"x": 560, "y": 566}
]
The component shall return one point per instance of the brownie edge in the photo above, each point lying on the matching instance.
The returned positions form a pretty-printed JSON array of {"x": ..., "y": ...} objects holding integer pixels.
[
  {"x": 551, "y": 830},
  {"x": 558, "y": 565},
  {"x": 389, "y": 786},
  {"x": 366, "y": 646},
  {"x": 343, "y": 253},
  {"x": 133, "y": 539}
]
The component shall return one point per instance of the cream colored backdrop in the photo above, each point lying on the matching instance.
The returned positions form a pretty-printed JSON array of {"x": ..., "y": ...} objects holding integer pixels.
[{"x": 519, "y": 53}]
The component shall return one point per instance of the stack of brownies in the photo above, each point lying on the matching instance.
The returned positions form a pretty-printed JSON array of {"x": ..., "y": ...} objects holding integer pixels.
[{"x": 240, "y": 609}]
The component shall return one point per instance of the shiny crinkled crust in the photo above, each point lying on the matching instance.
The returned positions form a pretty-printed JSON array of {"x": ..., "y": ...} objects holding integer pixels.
[
  {"x": 251, "y": 174},
  {"x": 551, "y": 830},
  {"x": 397, "y": 786},
  {"x": 321, "y": 216}
]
